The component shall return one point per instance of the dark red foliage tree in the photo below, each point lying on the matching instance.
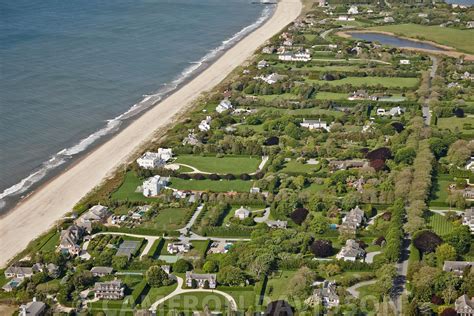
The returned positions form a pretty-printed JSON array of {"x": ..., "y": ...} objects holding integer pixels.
[
  {"x": 198, "y": 176},
  {"x": 377, "y": 164},
  {"x": 379, "y": 241},
  {"x": 214, "y": 177},
  {"x": 229, "y": 176},
  {"x": 271, "y": 141},
  {"x": 184, "y": 176},
  {"x": 245, "y": 177},
  {"x": 398, "y": 127},
  {"x": 448, "y": 312},
  {"x": 299, "y": 215},
  {"x": 322, "y": 248},
  {"x": 435, "y": 299},
  {"x": 382, "y": 153},
  {"x": 426, "y": 241}
]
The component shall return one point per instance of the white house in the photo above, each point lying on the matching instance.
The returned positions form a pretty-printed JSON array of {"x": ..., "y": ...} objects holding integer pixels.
[
  {"x": 270, "y": 79},
  {"x": 225, "y": 105},
  {"x": 262, "y": 64},
  {"x": 205, "y": 125},
  {"x": 152, "y": 186},
  {"x": 314, "y": 124},
  {"x": 470, "y": 164},
  {"x": 296, "y": 56},
  {"x": 178, "y": 247},
  {"x": 242, "y": 213},
  {"x": 468, "y": 219},
  {"x": 202, "y": 280},
  {"x": 404, "y": 61},
  {"x": 353, "y": 10},
  {"x": 345, "y": 18},
  {"x": 351, "y": 251},
  {"x": 152, "y": 160},
  {"x": 34, "y": 308},
  {"x": 388, "y": 19}
]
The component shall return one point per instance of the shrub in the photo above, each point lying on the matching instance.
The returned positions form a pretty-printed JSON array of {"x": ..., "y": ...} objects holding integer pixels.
[
  {"x": 198, "y": 176},
  {"x": 458, "y": 112},
  {"x": 322, "y": 248},
  {"x": 448, "y": 312},
  {"x": 184, "y": 176},
  {"x": 229, "y": 176},
  {"x": 426, "y": 241},
  {"x": 182, "y": 265},
  {"x": 214, "y": 177},
  {"x": 379, "y": 241},
  {"x": 245, "y": 177},
  {"x": 398, "y": 127}
]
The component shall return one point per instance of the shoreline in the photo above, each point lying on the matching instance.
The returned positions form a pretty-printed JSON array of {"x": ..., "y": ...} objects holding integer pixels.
[
  {"x": 67, "y": 157},
  {"x": 447, "y": 50},
  {"x": 59, "y": 195}
]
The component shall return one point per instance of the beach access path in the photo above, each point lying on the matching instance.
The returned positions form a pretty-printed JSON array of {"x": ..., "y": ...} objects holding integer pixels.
[{"x": 49, "y": 203}]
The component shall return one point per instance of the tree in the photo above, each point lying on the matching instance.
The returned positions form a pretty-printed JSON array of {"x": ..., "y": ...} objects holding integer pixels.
[
  {"x": 119, "y": 262},
  {"x": 445, "y": 252},
  {"x": 157, "y": 277},
  {"x": 449, "y": 294},
  {"x": 385, "y": 275},
  {"x": 300, "y": 285},
  {"x": 460, "y": 239},
  {"x": 332, "y": 269},
  {"x": 319, "y": 224},
  {"x": 232, "y": 276},
  {"x": 322, "y": 248},
  {"x": 299, "y": 215},
  {"x": 448, "y": 312},
  {"x": 210, "y": 266},
  {"x": 182, "y": 265},
  {"x": 405, "y": 155},
  {"x": 83, "y": 279},
  {"x": 262, "y": 264},
  {"x": 426, "y": 241}
]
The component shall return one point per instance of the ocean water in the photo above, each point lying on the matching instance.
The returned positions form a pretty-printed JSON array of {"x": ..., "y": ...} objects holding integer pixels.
[
  {"x": 73, "y": 72},
  {"x": 464, "y": 2}
]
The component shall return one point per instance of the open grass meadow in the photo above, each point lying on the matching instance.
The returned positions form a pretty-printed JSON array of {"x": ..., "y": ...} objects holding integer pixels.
[
  {"x": 388, "y": 82},
  {"x": 126, "y": 191},
  {"x": 276, "y": 288},
  {"x": 155, "y": 294},
  {"x": 196, "y": 301},
  {"x": 294, "y": 166},
  {"x": 464, "y": 125},
  {"x": 226, "y": 164},
  {"x": 439, "y": 190},
  {"x": 169, "y": 219},
  {"x": 210, "y": 185},
  {"x": 456, "y": 38}
]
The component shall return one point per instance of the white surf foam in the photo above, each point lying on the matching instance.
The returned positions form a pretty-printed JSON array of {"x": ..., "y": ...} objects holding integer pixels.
[{"x": 113, "y": 125}]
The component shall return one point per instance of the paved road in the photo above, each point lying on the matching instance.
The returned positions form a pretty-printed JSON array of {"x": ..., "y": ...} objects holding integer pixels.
[
  {"x": 179, "y": 290},
  {"x": 443, "y": 212},
  {"x": 191, "y": 221},
  {"x": 399, "y": 283},
  {"x": 426, "y": 107},
  {"x": 353, "y": 289}
]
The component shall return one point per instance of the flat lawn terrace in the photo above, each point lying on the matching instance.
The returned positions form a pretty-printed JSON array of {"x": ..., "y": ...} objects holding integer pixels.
[
  {"x": 387, "y": 82},
  {"x": 211, "y": 185},
  {"x": 194, "y": 301},
  {"x": 169, "y": 219},
  {"x": 222, "y": 165},
  {"x": 440, "y": 224},
  {"x": 128, "y": 189},
  {"x": 456, "y": 38}
]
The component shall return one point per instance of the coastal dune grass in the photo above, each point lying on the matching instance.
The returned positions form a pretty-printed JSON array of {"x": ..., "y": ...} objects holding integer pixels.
[{"x": 461, "y": 40}]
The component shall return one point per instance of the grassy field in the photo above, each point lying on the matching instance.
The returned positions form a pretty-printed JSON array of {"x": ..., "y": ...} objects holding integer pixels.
[
  {"x": 440, "y": 225},
  {"x": 243, "y": 296},
  {"x": 277, "y": 286},
  {"x": 127, "y": 190},
  {"x": 155, "y": 294},
  {"x": 296, "y": 166},
  {"x": 227, "y": 164},
  {"x": 169, "y": 219},
  {"x": 209, "y": 185},
  {"x": 284, "y": 96},
  {"x": 313, "y": 188},
  {"x": 456, "y": 124},
  {"x": 459, "y": 39},
  {"x": 51, "y": 243},
  {"x": 388, "y": 82},
  {"x": 440, "y": 191},
  {"x": 330, "y": 96},
  {"x": 189, "y": 302},
  {"x": 310, "y": 111}
]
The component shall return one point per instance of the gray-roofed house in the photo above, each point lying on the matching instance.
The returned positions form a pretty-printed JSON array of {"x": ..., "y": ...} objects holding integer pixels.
[
  {"x": 18, "y": 272},
  {"x": 352, "y": 220},
  {"x": 96, "y": 214},
  {"x": 33, "y": 308},
  {"x": 277, "y": 224},
  {"x": 12, "y": 284},
  {"x": 468, "y": 219},
  {"x": 101, "y": 271},
  {"x": 315, "y": 124},
  {"x": 327, "y": 295},
  {"x": 346, "y": 164},
  {"x": 69, "y": 240},
  {"x": 457, "y": 267},
  {"x": 464, "y": 306},
  {"x": 53, "y": 270},
  {"x": 351, "y": 251},
  {"x": 201, "y": 280},
  {"x": 242, "y": 213},
  {"x": 111, "y": 290}
]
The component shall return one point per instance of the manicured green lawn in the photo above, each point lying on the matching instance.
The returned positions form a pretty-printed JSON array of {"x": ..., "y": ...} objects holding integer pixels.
[
  {"x": 127, "y": 190},
  {"x": 201, "y": 246},
  {"x": 388, "y": 82},
  {"x": 155, "y": 294},
  {"x": 456, "y": 38},
  {"x": 277, "y": 286},
  {"x": 226, "y": 164},
  {"x": 296, "y": 166},
  {"x": 169, "y": 219},
  {"x": 210, "y": 185},
  {"x": 196, "y": 301},
  {"x": 243, "y": 296},
  {"x": 440, "y": 190},
  {"x": 310, "y": 111},
  {"x": 284, "y": 96},
  {"x": 456, "y": 124},
  {"x": 51, "y": 243},
  {"x": 440, "y": 224},
  {"x": 314, "y": 187},
  {"x": 330, "y": 96}
]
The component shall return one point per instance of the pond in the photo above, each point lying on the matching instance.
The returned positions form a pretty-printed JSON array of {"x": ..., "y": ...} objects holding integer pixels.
[{"x": 391, "y": 40}]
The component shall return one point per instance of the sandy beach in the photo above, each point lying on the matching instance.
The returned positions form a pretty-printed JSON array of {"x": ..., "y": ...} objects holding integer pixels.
[{"x": 48, "y": 204}]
